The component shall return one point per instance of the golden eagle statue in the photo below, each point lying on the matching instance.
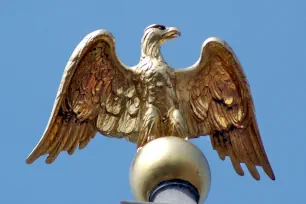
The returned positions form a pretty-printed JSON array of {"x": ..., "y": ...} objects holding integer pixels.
[{"x": 98, "y": 93}]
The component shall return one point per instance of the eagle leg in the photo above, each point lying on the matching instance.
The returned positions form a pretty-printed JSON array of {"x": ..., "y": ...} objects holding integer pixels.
[
  {"x": 151, "y": 127},
  {"x": 176, "y": 124}
]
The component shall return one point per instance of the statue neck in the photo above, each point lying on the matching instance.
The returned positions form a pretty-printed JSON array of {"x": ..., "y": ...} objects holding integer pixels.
[{"x": 151, "y": 50}]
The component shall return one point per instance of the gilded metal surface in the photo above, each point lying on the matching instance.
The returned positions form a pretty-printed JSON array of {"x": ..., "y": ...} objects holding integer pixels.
[
  {"x": 175, "y": 159},
  {"x": 98, "y": 93}
]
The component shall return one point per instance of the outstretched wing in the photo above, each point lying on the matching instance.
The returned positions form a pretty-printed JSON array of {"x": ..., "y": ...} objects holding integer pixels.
[
  {"x": 95, "y": 93},
  {"x": 216, "y": 101}
]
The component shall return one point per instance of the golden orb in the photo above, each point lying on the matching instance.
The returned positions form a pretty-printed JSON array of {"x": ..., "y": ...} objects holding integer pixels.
[{"x": 165, "y": 159}]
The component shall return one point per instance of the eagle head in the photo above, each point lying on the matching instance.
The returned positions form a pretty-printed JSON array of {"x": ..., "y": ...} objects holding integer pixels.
[{"x": 154, "y": 36}]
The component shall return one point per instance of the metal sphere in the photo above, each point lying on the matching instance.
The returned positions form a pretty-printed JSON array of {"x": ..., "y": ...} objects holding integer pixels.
[{"x": 165, "y": 159}]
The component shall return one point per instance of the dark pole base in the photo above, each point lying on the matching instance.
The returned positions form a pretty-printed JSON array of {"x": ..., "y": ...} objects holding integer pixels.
[
  {"x": 175, "y": 191},
  {"x": 172, "y": 192}
]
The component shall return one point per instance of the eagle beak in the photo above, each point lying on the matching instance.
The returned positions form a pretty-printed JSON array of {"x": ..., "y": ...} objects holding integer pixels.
[{"x": 171, "y": 33}]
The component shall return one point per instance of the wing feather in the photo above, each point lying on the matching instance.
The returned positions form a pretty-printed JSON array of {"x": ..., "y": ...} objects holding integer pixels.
[
  {"x": 91, "y": 98},
  {"x": 217, "y": 94}
]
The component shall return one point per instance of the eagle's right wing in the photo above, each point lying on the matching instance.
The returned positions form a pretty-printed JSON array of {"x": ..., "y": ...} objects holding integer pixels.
[
  {"x": 96, "y": 94},
  {"x": 216, "y": 100}
]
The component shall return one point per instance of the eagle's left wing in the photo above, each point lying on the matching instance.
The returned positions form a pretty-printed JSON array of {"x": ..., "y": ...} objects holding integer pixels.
[
  {"x": 216, "y": 101},
  {"x": 96, "y": 94}
]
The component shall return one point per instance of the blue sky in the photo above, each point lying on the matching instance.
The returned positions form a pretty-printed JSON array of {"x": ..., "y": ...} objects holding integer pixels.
[{"x": 38, "y": 37}]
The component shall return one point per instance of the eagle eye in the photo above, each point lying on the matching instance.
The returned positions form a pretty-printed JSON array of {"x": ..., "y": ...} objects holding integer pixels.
[{"x": 161, "y": 27}]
